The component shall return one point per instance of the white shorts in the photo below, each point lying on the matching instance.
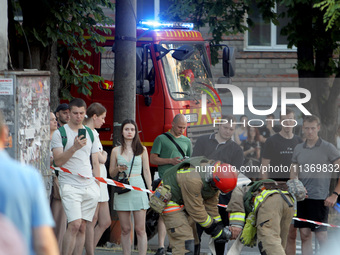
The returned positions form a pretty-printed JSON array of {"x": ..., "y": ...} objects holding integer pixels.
[
  {"x": 79, "y": 202},
  {"x": 104, "y": 193}
]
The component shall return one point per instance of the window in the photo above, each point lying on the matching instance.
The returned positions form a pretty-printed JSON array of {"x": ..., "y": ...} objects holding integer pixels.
[
  {"x": 107, "y": 71},
  {"x": 266, "y": 36}
]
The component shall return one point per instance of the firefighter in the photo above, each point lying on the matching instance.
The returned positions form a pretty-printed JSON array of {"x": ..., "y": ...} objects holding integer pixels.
[
  {"x": 195, "y": 186},
  {"x": 263, "y": 210},
  {"x": 187, "y": 78}
]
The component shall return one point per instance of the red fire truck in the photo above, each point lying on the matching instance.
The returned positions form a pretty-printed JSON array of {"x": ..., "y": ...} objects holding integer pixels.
[{"x": 173, "y": 72}]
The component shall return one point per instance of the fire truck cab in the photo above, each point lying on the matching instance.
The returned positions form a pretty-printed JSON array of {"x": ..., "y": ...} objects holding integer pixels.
[{"x": 173, "y": 76}]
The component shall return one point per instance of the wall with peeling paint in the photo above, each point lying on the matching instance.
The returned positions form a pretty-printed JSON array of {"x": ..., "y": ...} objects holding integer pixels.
[{"x": 25, "y": 103}]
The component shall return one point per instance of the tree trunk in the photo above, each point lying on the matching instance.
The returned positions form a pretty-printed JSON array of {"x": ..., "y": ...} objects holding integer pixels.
[
  {"x": 125, "y": 64},
  {"x": 52, "y": 66}
]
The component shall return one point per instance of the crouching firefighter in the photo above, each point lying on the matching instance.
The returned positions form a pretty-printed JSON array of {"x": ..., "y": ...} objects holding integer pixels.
[
  {"x": 194, "y": 185},
  {"x": 263, "y": 211}
]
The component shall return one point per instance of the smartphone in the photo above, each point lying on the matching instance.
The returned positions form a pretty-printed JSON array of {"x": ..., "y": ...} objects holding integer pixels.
[{"x": 82, "y": 131}]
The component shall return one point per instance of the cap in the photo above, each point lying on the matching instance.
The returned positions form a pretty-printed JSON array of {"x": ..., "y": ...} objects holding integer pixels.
[{"x": 62, "y": 107}]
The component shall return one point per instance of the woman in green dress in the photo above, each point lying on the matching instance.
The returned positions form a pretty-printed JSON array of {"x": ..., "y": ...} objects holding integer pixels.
[{"x": 131, "y": 156}]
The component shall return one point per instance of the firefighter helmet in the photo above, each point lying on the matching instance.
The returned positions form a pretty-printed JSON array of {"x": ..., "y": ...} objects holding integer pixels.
[
  {"x": 224, "y": 177},
  {"x": 188, "y": 77}
]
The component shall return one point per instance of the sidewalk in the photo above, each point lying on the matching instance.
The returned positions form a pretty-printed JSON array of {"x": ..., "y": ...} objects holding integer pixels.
[{"x": 116, "y": 250}]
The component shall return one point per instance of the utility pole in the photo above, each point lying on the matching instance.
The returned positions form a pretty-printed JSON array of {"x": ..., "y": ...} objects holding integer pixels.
[
  {"x": 125, "y": 64},
  {"x": 3, "y": 34}
]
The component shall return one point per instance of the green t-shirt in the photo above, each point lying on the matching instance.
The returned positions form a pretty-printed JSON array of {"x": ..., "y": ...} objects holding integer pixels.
[{"x": 165, "y": 148}]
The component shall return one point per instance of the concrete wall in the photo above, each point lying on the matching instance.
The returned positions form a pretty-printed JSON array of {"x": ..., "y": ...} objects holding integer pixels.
[{"x": 3, "y": 34}]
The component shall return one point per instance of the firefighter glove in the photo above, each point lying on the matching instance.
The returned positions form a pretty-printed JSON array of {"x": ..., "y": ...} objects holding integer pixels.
[
  {"x": 248, "y": 236},
  {"x": 216, "y": 232}
]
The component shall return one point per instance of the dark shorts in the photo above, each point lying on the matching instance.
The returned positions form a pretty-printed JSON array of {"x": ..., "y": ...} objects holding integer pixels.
[{"x": 311, "y": 209}]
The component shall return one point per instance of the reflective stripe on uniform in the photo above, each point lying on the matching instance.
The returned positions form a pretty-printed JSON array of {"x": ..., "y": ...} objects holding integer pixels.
[
  {"x": 218, "y": 218},
  {"x": 184, "y": 170},
  {"x": 238, "y": 216},
  {"x": 218, "y": 235},
  {"x": 172, "y": 207},
  {"x": 207, "y": 222},
  {"x": 261, "y": 197}
]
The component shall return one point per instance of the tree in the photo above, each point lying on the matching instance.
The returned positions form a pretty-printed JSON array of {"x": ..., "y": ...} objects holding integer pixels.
[
  {"x": 54, "y": 29},
  {"x": 306, "y": 30},
  {"x": 332, "y": 12},
  {"x": 214, "y": 13}
]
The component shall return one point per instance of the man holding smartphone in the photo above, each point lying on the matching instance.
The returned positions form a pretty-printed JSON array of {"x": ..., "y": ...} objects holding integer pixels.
[
  {"x": 79, "y": 195},
  {"x": 166, "y": 154}
]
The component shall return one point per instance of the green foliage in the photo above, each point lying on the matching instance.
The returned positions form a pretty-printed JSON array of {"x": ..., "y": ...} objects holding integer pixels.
[
  {"x": 71, "y": 23},
  {"x": 332, "y": 12},
  {"x": 306, "y": 29},
  {"x": 224, "y": 17}
]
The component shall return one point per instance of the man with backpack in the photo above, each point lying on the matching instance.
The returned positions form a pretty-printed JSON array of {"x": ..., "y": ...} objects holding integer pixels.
[{"x": 72, "y": 150}]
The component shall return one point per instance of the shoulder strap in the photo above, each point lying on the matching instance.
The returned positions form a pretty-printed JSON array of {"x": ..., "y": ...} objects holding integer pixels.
[
  {"x": 63, "y": 136},
  {"x": 90, "y": 133},
  {"x": 177, "y": 146},
  {"x": 133, "y": 159},
  {"x": 248, "y": 197}
]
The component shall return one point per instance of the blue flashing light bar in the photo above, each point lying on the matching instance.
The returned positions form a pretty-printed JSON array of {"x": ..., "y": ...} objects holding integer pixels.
[{"x": 157, "y": 24}]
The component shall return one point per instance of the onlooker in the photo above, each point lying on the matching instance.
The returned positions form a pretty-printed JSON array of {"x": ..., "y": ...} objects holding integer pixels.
[
  {"x": 278, "y": 152},
  {"x": 268, "y": 130},
  {"x": 165, "y": 154},
  {"x": 241, "y": 131},
  {"x": 278, "y": 149},
  {"x": 79, "y": 195},
  {"x": 25, "y": 203},
  {"x": 55, "y": 200},
  {"x": 96, "y": 114},
  {"x": 53, "y": 127},
  {"x": 220, "y": 146},
  {"x": 11, "y": 240},
  {"x": 251, "y": 147},
  {"x": 63, "y": 114},
  {"x": 131, "y": 157},
  {"x": 53, "y": 124},
  {"x": 313, "y": 163}
]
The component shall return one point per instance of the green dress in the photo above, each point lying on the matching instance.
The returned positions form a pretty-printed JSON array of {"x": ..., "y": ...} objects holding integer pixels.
[{"x": 133, "y": 200}]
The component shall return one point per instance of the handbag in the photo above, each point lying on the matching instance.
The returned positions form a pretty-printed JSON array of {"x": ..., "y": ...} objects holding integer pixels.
[
  {"x": 122, "y": 178},
  {"x": 55, "y": 188}
]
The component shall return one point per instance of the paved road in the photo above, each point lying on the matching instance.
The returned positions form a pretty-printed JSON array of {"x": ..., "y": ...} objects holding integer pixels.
[{"x": 333, "y": 248}]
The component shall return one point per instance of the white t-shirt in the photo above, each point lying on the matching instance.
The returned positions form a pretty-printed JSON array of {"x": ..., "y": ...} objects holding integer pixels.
[
  {"x": 96, "y": 137},
  {"x": 79, "y": 162}
]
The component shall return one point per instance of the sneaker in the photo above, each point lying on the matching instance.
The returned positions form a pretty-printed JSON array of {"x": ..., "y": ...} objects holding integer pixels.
[
  {"x": 169, "y": 251},
  {"x": 160, "y": 251}
]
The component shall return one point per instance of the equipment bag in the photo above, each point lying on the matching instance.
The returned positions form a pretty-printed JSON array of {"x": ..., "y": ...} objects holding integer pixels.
[{"x": 160, "y": 198}]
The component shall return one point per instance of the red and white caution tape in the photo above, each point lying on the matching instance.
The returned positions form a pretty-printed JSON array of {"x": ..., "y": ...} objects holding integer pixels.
[
  {"x": 104, "y": 180},
  {"x": 316, "y": 222},
  {"x": 299, "y": 219}
]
